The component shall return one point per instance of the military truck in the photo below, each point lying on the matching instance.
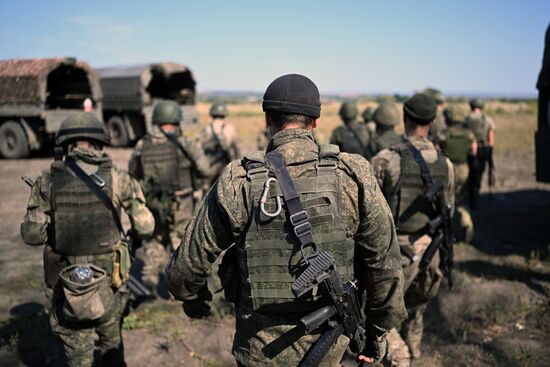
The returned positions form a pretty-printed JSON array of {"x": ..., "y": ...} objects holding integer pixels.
[
  {"x": 36, "y": 95},
  {"x": 542, "y": 136},
  {"x": 131, "y": 92}
]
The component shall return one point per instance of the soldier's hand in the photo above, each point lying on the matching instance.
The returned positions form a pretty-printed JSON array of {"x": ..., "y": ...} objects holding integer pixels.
[
  {"x": 375, "y": 350},
  {"x": 198, "y": 308}
]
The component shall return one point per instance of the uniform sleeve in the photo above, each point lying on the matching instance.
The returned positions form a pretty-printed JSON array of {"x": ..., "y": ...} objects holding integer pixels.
[
  {"x": 387, "y": 170},
  {"x": 378, "y": 259},
  {"x": 134, "y": 165},
  {"x": 196, "y": 153},
  {"x": 34, "y": 228},
  {"x": 220, "y": 220},
  {"x": 128, "y": 195},
  {"x": 450, "y": 192}
]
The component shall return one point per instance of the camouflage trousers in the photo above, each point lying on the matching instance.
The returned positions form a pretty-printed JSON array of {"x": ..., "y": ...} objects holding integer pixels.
[
  {"x": 463, "y": 219},
  {"x": 79, "y": 338},
  {"x": 166, "y": 239},
  {"x": 258, "y": 334},
  {"x": 421, "y": 286}
]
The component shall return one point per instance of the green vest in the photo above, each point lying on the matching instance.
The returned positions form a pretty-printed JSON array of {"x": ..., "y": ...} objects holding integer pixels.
[
  {"x": 478, "y": 124},
  {"x": 83, "y": 225},
  {"x": 354, "y": 138},
  {"x": 457, "y": 144},
  {"x": 270, "y": 253},
  {"x": 411, "y": 211},
  {"x": 387, "y": 139},
  {"x": 166, "y": 166}
]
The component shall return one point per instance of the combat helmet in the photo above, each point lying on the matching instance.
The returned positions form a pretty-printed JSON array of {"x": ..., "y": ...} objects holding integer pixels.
[
  {"x": 368, "y": 114},
  {"x": 218, "y": 109},
  {"x": 476, "y": 103},
  {"x": 454, "y": 115},
  {"x": 82, "y": 125},
  {"x": 348, "y": 111},
  {"x": 436, "y": 94},
  {"x": 386, "y": 114},
  {"x": 167, "y": 112}
]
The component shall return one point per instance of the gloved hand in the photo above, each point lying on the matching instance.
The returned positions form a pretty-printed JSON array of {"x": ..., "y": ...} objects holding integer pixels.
[
  {"x": 375, "y": 349},
  {"x": 198, "y": 308}
]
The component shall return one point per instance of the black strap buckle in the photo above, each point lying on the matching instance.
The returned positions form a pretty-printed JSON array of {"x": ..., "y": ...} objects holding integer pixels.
[{"x": 301, "y": 224}]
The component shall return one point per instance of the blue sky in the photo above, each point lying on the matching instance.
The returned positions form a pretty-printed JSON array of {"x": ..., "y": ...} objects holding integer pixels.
[{"x": 344, "y": 46}]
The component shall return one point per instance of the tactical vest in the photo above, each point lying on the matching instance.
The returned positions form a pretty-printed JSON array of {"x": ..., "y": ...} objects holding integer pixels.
[
  {"x": 164, "y": 165},
  {"x": 355, "y": 139},
  {"x": 411, "y": 210},
  {"x": 457, "y": 145},
  {"x": 270, "y": 255},
  {"x": 478, "y": 124},
  {"x": 83, "y": 225},
  {"x": 214, "y": 149}
]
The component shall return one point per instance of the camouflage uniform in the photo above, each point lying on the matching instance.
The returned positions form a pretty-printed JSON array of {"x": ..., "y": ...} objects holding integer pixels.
[
  {"x": 221, "y": 145},
  {"x": 172, "y": 206},
  {"x": 386, "y": 117},
  {"x": 352, "y": 137},
  {"x": 420, "y": 286},
  {"x": 263, "y": 139},
  {"x": 79, "y": 337},
  {"x": 223, "y": 220}
]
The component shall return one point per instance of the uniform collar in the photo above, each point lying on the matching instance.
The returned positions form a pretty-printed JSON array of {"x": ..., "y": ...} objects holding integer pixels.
[
  {"x": 421, "y": 143},
  {"x": 295, "y": 145}
]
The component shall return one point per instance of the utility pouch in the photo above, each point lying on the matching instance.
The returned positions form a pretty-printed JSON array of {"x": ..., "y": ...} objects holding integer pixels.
[
  {"x": 228, "y": 272},
  {"x": 53, "y": 264},
  {"x": 89, "y": 301},
  {"x": 121, "y": 264}
]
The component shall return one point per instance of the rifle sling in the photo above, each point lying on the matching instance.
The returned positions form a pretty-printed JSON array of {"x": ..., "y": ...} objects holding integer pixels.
[
  {"x": 298, "y": 216},
  {"x": 101, "y": 195},
  {"x": 424, "y": 168},
  {"x": 172, "y": 139}
]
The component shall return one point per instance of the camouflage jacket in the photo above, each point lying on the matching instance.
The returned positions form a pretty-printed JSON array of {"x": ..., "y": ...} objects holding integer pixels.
[
  {"x": 127, "y": 195},
  {"x": 223, "y": 217}
]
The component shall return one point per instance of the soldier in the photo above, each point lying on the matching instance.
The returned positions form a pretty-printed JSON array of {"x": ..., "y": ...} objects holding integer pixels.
[
  {"x": 264, "y": 138},
  {"x": 460, "y": 146},
  {"x": 74, "y": 209},
  {"x": 220, "y": 142},
  {"x": 368, "y": 119},
  {"x": 386, "y": 118},
  {"x": 405, "y": 173},
  {"x": 351, "y": 137},
  {"x": 438, "y": 128},
  {"x": 169, "y": 167},
  {"x": 345, "y": 210},
  {"x": 483, "y": 128}
]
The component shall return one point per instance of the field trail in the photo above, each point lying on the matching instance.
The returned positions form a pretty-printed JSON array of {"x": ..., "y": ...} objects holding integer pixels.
[{"x": 497, "y": 314}]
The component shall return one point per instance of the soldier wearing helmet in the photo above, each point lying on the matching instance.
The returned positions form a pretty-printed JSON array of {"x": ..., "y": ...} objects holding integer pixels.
[
  {"x": 460, "y": 146},
  {"x": 368, "y": 119},
  {"x": 351, "y": 137},
  {"x": 439, "y": 127},
  {"x": 386, "y": 117},
  {"x": 341, "y": 205},
  {"x": 219, "y": 140},
  {"x": 74, "y": 209},
  {"x": 483, "y": 128},
  {"x": 170, "y": 168}
]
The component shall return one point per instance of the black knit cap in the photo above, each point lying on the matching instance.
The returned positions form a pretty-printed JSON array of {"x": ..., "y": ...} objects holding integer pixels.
[
  {"x": 293, "y": 93},
  {"x": 421, "y": 107}
]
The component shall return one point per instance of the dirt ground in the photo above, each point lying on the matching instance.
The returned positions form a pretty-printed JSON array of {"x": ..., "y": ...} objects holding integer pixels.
[{"x": 497, "y": 314}]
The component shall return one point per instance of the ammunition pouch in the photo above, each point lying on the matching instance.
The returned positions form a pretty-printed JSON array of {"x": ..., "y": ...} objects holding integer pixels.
[
  {"x": 228, "y": 272},
  {"x": 122, "y": 262},
  {"x": 53, "y": 264},
  {"x": 86, "y": 302}
]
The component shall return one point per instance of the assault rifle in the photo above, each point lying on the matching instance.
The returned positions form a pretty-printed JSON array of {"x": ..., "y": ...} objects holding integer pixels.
[
  {"x": 342, "y": 316},
  {"x": 441, "y": 231}
]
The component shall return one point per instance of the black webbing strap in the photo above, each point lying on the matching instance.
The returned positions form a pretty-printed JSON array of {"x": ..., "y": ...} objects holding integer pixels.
[
  {"x": 361, "y": 143},
  {"x": 424, "y": 169},
  {"x": 298, "y": 216},
  {"x": 172, "y": 139},
  {"x": 93, "y": 186}
]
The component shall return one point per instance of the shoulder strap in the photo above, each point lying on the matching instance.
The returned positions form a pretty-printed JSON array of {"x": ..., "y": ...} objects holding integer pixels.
[
  {"x": 361, "y": 143},
  {"x": 298, "y": 216},
  {"x": 424, "y": 168},
  {"x": 94, "y": 187}
]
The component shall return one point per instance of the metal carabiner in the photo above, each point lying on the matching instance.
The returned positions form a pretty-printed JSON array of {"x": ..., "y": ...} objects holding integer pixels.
[{"x": 263, "y": 200}]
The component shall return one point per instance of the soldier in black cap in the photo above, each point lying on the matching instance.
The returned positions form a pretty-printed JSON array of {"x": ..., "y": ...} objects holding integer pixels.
[
  {"x": 405, "y": 173},
  {"x": 342, "y": 212}
]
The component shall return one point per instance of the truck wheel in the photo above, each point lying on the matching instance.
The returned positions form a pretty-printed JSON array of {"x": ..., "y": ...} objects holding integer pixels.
[
  {"x": 13, "y": 140},
  {"x": 118, "y": 131}
]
